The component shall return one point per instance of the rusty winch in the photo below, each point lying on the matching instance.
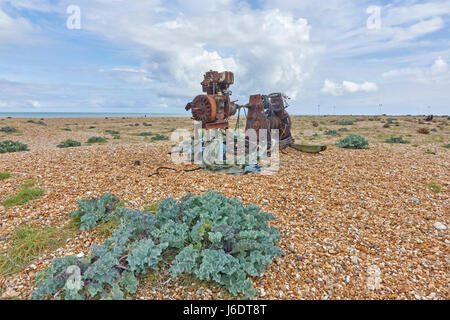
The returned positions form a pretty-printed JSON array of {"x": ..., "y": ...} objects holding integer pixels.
[{"x": 214, "y": 108}]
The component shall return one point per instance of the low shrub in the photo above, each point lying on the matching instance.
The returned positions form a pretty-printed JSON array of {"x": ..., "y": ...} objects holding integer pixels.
[
  {"x": 145, "y": 134},
  {"x": 345, "y": 122},
  {"x": 145, "y": 124},
  {"x": 8, "y": 129},
  {"x": 69, "y": 144},
  {"x": 423, "y": 131},
  {"x": 353, "y": 141},
  {"x": 209, "y": 237},
  {"x": 12, "y": 146},
  {"x": 343, "y": 130},
  {"x": 40, "y": 122},
  {"x": 397, "y": 140},
  {"x": 113, "y": 132},
  {"x": 331, "y": 133},
  {"x": 96, "y": 140},
  {"x": 158, "y": 137},
  {"x": 66, "y": 129}
]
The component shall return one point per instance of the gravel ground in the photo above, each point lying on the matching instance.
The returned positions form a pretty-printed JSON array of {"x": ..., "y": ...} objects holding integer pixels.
[{"x": 355, "y": 224}]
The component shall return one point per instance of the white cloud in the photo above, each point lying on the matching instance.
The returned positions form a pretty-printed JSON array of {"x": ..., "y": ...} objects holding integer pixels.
[
  {"x": 332, "y": 88},
  {"x": 34, "y": 103},
  {"x": 406, "y": 14},
  {"x": 440, "y": 66},
  {"x": 269, "y": 50},
  {"x": 417, "y": 30},
  {"x": 128, "y": 74},
  {"x": 14, "y": 30},
  {"x": 353, "y": 87},
  {"x": 437, "y": 72},
  {"x": 336, "y": 89}
]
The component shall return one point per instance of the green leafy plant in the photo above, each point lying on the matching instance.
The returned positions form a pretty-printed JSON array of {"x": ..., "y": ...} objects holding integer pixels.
[
  {"x": 69, "y": 144},
  {"x": 435, "y": 188},
  {"x": 96, "y": 140},
  {"x": 396, "y": 140},
  {"x": 214, "y": 238},
  {"x": 91, "y": 211},
  {"x": 151, "y": 207},
  {"x": 159, "y": 137},
  {"x": 40, "y": 122},
  {"x": 12, "y": 146},
  {"x": 446, "y": 146},
  {"x": 332, "y": 133},
  {"x": 145, "y": 134},
  {"x": 8, "y": 129},
  {"x": 345, "y": 122},
  {"x": 28, "y": 242},
  {"x": 4, "y": 175},
  {"x": 27, "y": 193},
  {"x": 353, "y": 141}
]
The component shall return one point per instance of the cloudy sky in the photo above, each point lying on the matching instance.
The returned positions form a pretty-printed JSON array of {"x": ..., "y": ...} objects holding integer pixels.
[{"x": 334, "y": 56}]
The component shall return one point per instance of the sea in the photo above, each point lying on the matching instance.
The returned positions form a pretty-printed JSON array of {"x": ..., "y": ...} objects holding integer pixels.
[{"x": 46, "y": 115}]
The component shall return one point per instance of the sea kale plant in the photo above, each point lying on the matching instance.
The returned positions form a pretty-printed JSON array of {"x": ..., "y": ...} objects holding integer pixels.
[
  {"x": 396, "y": 140},
  {"x": 8, "y": 129},
  {"x": 353, "y": 141},
  {"x": 214, "y": 238},
  {"x": 92, "y": 211},
  {"x": 69, "y": 144},
  {"x": 12, "y": 146}
]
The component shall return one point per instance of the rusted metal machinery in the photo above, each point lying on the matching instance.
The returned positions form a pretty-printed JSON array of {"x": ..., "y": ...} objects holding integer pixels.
[{"x": 214, "y": 108}]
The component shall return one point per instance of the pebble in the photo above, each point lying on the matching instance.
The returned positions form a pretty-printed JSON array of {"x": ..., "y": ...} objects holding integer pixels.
[
  {"x": 10, "y": 293},
  {"x": 440, "y": 226},
  {"x": 262, "y": 293},
  {"x": 414, "y": 199},
  {"x": 80, "y": 255}
]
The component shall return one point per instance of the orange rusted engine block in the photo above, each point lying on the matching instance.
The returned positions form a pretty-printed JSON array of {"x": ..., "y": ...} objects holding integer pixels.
[{"x": 214, "y": 108}]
